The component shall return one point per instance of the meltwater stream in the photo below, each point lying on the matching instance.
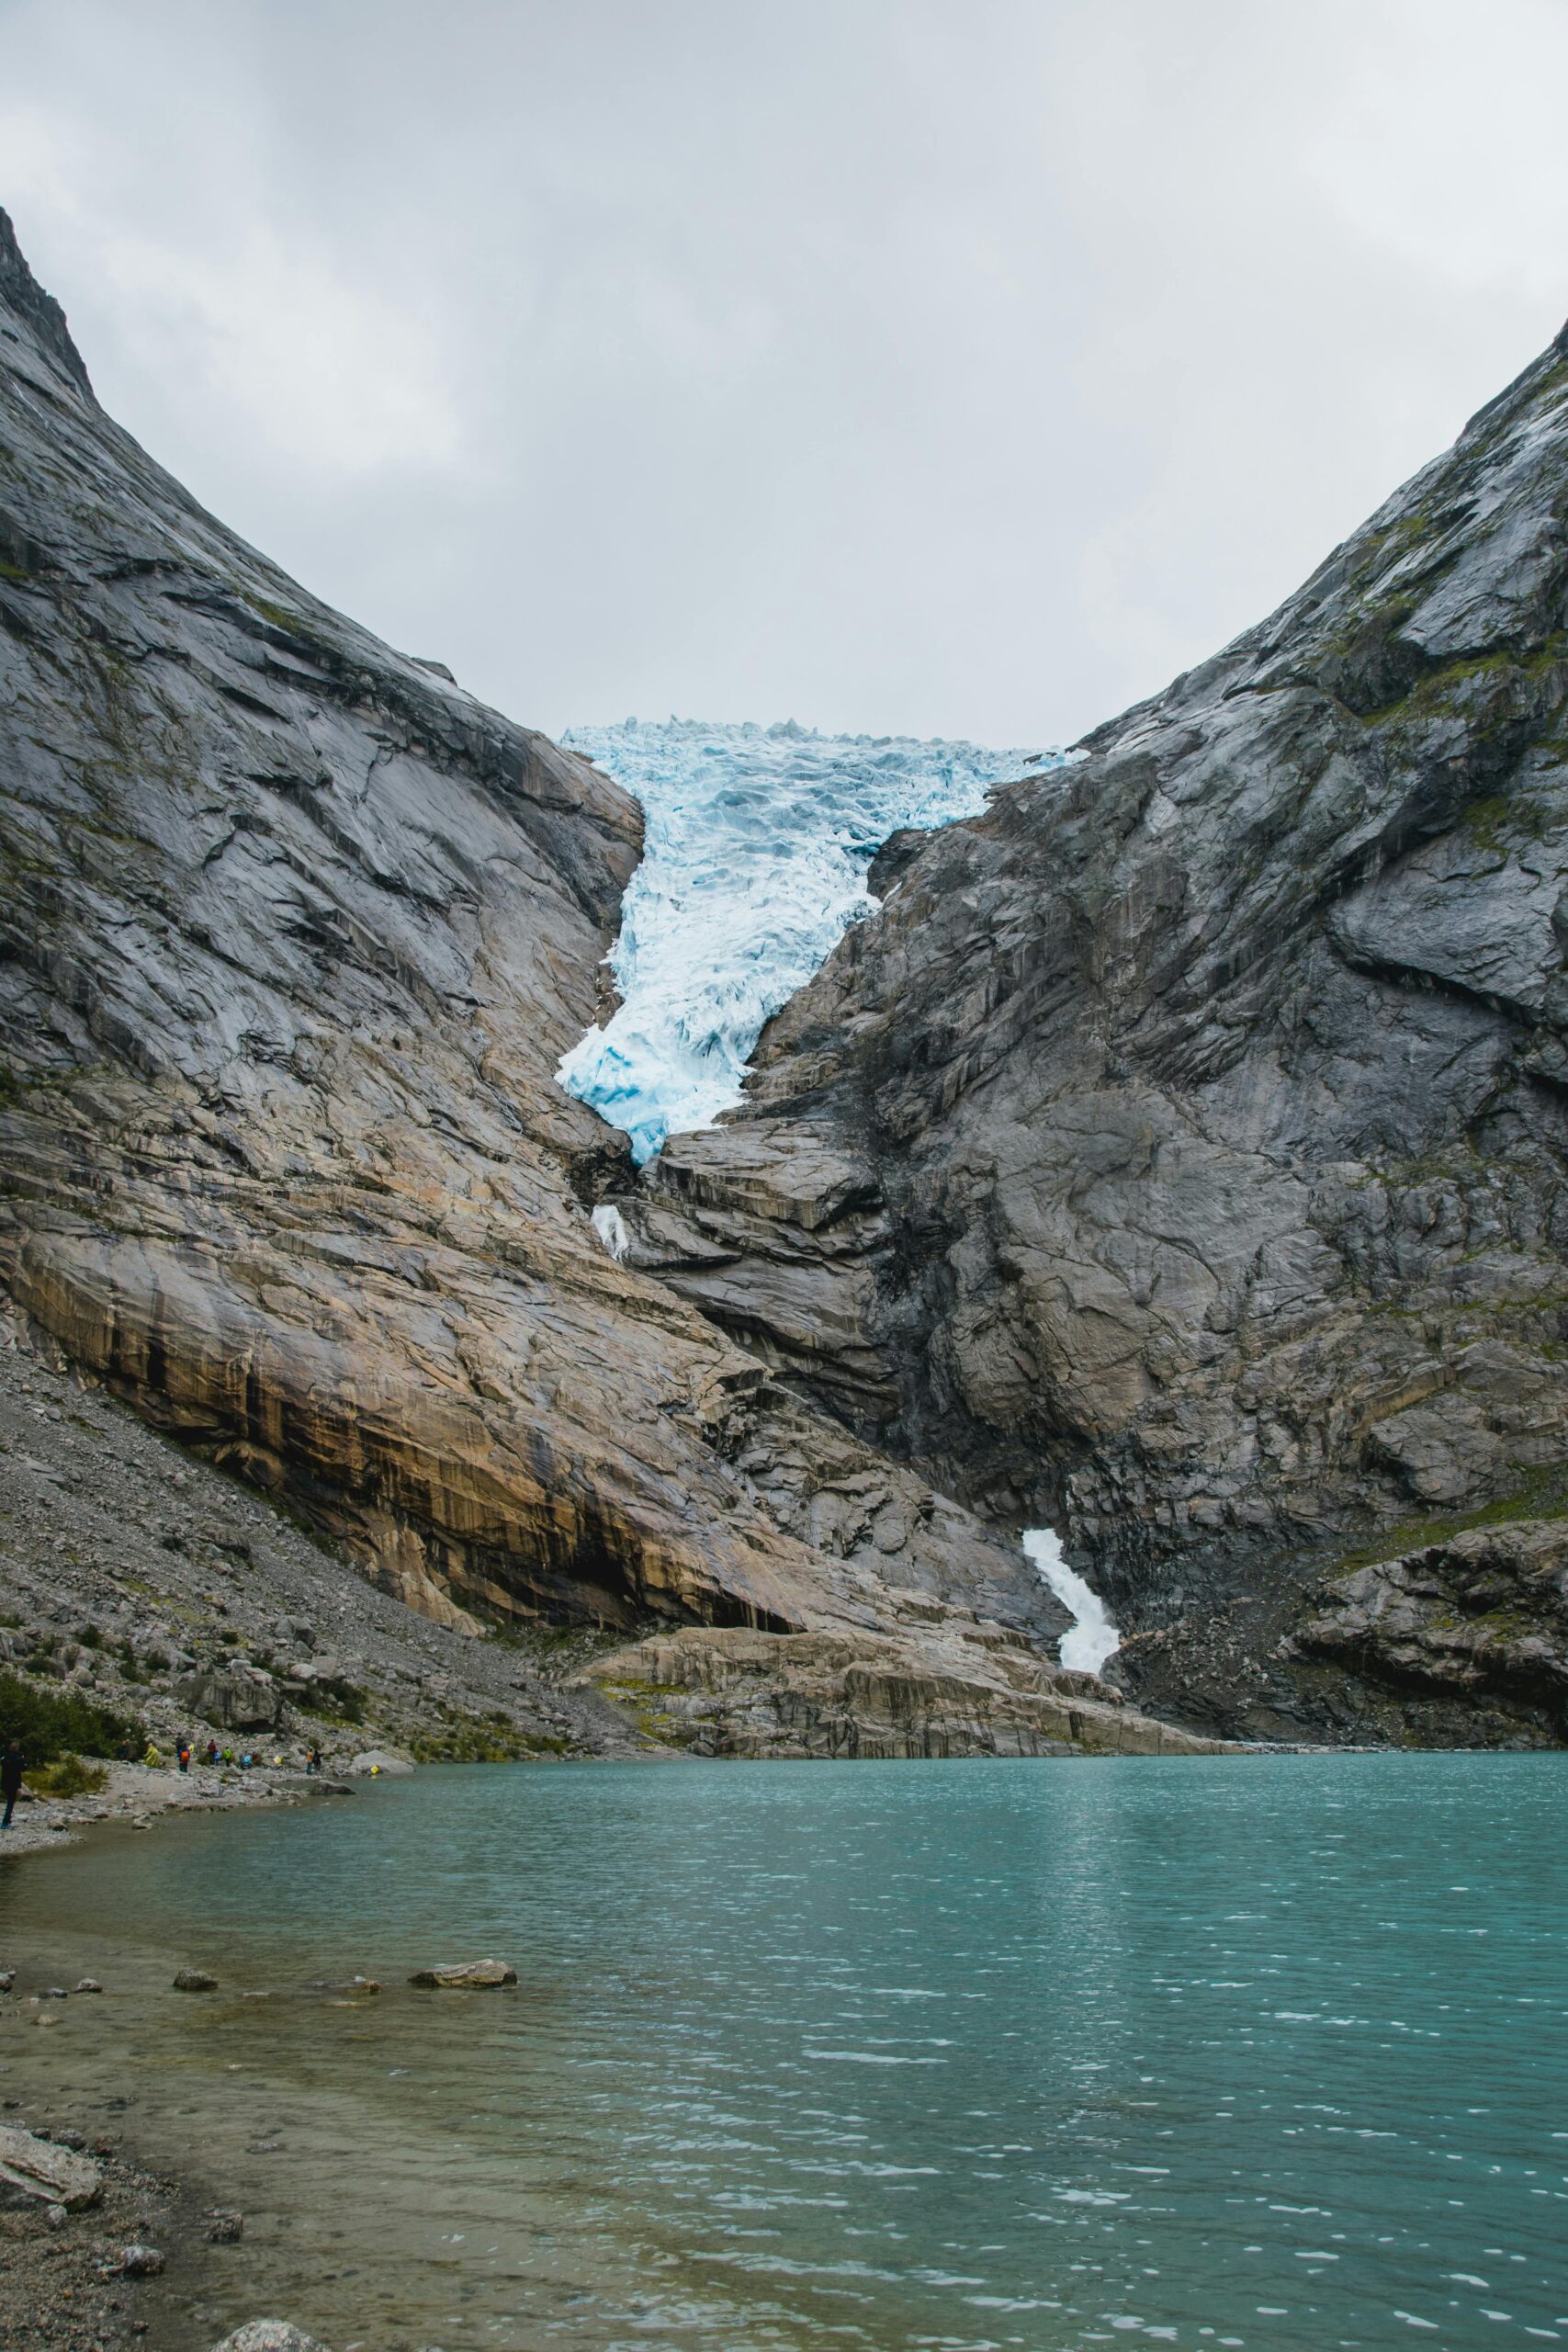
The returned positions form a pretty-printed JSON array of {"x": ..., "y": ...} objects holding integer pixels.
[
  {"x": 1092, "y": 1637},
  {"x": 758, "y": 842}
]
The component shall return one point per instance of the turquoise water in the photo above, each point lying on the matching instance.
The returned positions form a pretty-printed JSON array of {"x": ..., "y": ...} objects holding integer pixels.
[{"x": 1263, "y": 2051}]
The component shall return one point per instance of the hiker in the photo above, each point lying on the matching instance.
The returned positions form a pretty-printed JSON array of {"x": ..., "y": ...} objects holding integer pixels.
[
  {"x": 184, "y": 1755},
  {"x": 12, "y": 1765},
  {"x": 213, "y": 1751},
  {"x": 314, "y": 1761},
  {"x": 153, "y": 1759}
]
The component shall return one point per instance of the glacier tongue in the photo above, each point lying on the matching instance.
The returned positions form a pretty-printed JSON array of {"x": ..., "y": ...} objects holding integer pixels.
[{"x": 758, "y": 842}]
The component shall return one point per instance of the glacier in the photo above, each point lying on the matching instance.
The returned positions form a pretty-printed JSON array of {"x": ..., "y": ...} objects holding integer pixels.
[{"x": 758, "y": 842}]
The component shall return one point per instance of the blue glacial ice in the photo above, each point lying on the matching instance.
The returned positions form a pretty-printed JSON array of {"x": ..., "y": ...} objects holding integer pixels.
[{"x": 758, "y": 842}]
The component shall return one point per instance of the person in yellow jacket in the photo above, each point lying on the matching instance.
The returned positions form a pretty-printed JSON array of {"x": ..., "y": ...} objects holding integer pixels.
[{"x": 153, "y": 1758}]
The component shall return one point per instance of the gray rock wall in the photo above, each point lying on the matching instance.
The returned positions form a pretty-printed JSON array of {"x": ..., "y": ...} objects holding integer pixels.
[{"x": 1180, "y": 1153}]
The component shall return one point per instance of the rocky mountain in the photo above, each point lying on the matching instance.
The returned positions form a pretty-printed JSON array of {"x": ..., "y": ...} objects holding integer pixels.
[
  {"x": 1180, "y": 1155},
  {"x": 293, "y": 933},
  {"x": 1177, "y": 1157}
]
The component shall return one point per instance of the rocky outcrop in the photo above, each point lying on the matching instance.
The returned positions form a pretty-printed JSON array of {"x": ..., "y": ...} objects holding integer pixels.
[
  {"x": 236, "y": 1698},
  {"x": 734, "y": 1692},
  {"x": 1483, "y": 1615},
  {"x": 1180, "y": 1155},
  {"x": 293, "y": 933}
]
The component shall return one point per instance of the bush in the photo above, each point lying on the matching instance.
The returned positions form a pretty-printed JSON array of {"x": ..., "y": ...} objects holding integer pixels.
[
  {"x": 340, "y": 1702},
  {"x": 68, "y": 1777},
  {"x": 47, "y": 1723}
]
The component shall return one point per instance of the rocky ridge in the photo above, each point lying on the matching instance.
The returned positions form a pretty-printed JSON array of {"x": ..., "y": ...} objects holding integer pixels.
[{"x": 1180, "y": 1155}]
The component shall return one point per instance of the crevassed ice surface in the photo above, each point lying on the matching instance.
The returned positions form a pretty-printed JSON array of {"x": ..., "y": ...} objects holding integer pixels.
[{"x": 758, "y": 842}]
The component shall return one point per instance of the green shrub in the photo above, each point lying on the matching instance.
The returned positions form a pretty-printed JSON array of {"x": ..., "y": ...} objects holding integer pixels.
[
  {"x": 338, "y": 1701},
  {"x": 68, "y": 1777},
  {"x": 47, "y": 1723}
]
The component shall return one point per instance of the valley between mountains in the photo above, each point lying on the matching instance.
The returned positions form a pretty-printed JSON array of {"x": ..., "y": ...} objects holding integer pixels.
[{"x": 1177, "y": 1157}]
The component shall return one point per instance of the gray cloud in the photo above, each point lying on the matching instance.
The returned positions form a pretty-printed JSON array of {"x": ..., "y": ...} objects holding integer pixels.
[{"x": 887, "y": 364}]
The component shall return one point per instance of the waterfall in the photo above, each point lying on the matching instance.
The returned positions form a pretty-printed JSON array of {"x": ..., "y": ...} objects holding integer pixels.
[
  {"x": 610, "y": 1228},
  {"x": 1092, "y": 1637}
]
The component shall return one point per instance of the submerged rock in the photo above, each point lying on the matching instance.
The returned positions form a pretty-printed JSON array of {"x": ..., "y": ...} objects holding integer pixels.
[
  {"x": 466, "y": 1975},
  {"x": 269, "y": 2336},
  {"x": 195, "y": 1980}
]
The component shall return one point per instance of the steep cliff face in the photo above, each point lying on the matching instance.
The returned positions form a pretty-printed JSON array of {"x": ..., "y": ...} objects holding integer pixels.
[
  {"x": 1180, "y": 1154},
  {"x": 293, "y": 934}
]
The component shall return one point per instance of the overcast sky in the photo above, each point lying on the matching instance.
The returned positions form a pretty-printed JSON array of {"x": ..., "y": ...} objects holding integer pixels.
[{"x": 958, "y": 367}]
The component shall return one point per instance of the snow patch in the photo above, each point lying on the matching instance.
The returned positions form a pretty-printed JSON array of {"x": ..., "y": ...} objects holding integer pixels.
[
  {"x": 758, "y": 842},
  {"x": 1092, "y": 1637}
]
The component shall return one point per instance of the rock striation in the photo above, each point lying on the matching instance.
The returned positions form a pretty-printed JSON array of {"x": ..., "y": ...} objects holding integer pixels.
[
  {"x": 1482, "y": 1616},
  {"x": 795, "y": 1696},
  {"x": 1180, "y": 1155},
  {"x": 293, "y": 933}
]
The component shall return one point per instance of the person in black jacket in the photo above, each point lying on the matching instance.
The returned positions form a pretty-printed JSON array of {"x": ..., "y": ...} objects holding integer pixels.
[{"x": 12, "y": 1766}]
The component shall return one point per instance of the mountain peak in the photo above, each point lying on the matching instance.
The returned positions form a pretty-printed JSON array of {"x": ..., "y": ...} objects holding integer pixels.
[{"x": 21, "y": 294}]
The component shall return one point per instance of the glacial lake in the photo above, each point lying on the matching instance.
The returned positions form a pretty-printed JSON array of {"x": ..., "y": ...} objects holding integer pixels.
[{"x": 1254, "y": 2052}]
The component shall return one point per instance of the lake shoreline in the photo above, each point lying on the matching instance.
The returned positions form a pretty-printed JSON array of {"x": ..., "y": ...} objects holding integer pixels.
[{"x": 138, "y": 1794}]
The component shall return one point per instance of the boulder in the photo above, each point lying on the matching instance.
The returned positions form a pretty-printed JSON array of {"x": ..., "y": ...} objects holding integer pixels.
[
  {"x": 237, "y": 1697},
  {"x": 195, "y": 1980},
  {"x": 465, "y": 1976},
  {"x": 140, "y": 2262},
  {"x": 380, "y": 1759},
  {"x": 40, "y": 2168},
  {"x": 269, "y": 2336}
]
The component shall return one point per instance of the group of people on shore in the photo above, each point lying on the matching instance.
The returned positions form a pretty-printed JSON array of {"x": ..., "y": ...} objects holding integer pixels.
[
  {"x": 244, "y": 1759},
  {"x": 13, "y": 1764}
]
